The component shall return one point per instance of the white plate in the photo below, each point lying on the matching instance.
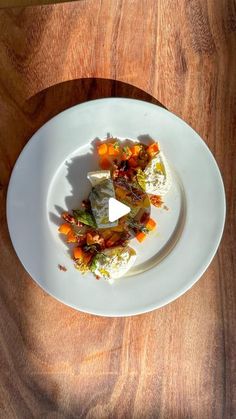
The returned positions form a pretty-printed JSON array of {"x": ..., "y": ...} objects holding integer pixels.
[{"x": 50, "y": 176}]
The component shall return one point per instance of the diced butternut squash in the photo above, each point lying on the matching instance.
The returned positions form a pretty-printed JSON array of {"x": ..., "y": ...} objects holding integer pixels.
[
  {"x": 141, "y": 237},
  {"x": 102, "y": 149},
  {"x": 113, "y": 149},
  {"x": 151, "y": 224},
  {"x": 64, "y": 228},
  {"x": 153, "y": 149},
  {"x": 135, "y": 149},
  {"x": 105, "y": 163},
  {"x": 78, "y": 253},
  {"x": 71, "y": 237},
  {"x": 126, "y": 154}
]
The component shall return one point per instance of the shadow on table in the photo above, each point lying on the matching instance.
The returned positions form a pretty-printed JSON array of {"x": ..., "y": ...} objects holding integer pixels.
[
  {"x": 64, "y": 364},
  {"x": 49, "y": 102}
]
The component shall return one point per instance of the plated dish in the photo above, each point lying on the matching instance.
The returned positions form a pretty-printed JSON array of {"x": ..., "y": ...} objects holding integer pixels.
[
  {"x": 57, "y": 159},
  {"x": 137, "y": 175}
]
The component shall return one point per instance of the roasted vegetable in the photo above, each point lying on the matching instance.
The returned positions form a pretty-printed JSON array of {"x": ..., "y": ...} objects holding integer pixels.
[
  {"x": 78, "y": 252},
  {"x": 71, "y": 237},
  {"x": 153, "y": 149},
  {"x": 135, "y": 149},
  {"x": 141, "y": 237},
  {"x": 126, "y": 154},
  {"x": 113, "y": 149},
  {"x": 105, "y": 163},
  {"x": 64, "y": 228},
  {"x": 151, "y": 224},
  {"x": 102, "y": 149}
]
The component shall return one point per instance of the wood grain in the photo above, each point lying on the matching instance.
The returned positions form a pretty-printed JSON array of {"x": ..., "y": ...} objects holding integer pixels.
[
  {"x": 178, "y": 361},
  {"x": 21, "y": 3}
]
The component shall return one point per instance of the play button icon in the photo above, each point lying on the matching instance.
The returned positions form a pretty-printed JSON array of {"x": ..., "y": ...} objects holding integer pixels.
[{"x": 116, "y": 209}]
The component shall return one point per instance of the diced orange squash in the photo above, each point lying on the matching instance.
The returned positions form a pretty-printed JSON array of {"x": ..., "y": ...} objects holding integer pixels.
[
  {"x": 71, "y": 237},
  {"x": 151, "y": 224},
  {"x": 78, "y": 253},
  {"x": 64, "y": 228},
  {"x": 141, "y": 236},
  {"x": 105, "y": 163},
  {"x": 135, "y": 149},
  {"x": 113, "y": 149},
  {"x": 127, "y": 153},
  {"x": 153, "y": 149},
  {"x": 102, "y": 149},
  {"x": 133, "y": 162}
]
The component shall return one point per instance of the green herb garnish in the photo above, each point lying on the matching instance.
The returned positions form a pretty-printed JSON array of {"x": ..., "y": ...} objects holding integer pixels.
[
  {"x": 116, "y": 145},
  {"x": 85, "y": 217}
]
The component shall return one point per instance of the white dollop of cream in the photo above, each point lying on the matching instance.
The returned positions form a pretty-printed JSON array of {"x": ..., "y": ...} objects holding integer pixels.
[
  {"x": 97, "y": 177},
  {"x": 158, "y": 179},
  {"x": 114, "y": 262}
]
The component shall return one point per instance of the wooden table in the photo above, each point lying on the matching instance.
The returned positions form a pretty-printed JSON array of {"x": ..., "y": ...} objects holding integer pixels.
[{"x": 178, "y": 361}]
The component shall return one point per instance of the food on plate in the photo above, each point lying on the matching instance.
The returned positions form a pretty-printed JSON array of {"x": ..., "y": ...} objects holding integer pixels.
[
  {"x": 138, "y": 176},
  {"x": 156, "y": 177},
  {"x": 114, "y": 262},
  {"x": 96, "y": 177},
  {"x": 99, "y": 200}
]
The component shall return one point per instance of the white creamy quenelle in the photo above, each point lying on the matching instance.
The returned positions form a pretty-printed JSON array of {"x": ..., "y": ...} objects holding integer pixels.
[
  {"x": 114, "y": 262},
  {"x": 97, "y": 177},
  {"x": 157, "y": 176}
]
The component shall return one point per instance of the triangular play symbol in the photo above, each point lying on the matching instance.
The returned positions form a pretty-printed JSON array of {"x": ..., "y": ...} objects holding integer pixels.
[{"x": 116, "y": 209}]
